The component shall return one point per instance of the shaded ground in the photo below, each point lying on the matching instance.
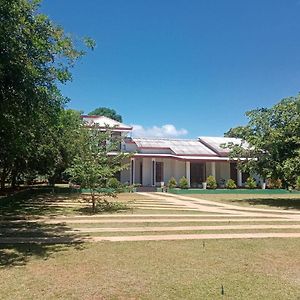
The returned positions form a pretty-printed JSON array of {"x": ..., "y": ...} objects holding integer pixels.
[{"x": 266, "y": 268}]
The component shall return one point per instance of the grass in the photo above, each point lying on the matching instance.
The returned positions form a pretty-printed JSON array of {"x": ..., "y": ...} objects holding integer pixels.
[
  {"x": 191, "y": 269},
  {"x": 288, "y": 201},
  {"x": 159, "y": 270}
]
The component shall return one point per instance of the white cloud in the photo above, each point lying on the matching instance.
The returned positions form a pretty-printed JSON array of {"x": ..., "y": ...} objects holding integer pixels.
[{"x": 167, "y": 130}]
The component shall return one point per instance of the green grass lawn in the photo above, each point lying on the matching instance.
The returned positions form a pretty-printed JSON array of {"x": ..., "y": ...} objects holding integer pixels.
[
  {"x": 192, "y": 269},
  {"x": 248, "y": 269},
  {"x": 280, "y": 201}
]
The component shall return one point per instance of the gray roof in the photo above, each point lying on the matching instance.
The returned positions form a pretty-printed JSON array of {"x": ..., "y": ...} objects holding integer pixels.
[
  {"x": 177, "y": 146},
  {"x": 215, "y": 143}
]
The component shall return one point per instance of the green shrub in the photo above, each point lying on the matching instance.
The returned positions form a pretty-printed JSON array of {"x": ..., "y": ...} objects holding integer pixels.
[
  {"x": 183, "y": 183},
  {"x": 211, "y": 182},
  {"x": 273, "y": 183},
  {"x": 114, "y": 183},
  {"x": 298, "y": 183},
  {"x": 250, "y": 183},
  {"x": 172, "y": 183},
  {"x": 230, "y": 184}
]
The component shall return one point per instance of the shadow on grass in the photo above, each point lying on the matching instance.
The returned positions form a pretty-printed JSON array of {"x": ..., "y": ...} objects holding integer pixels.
[
  {"x": 283, "y": 203},
  {"x": 23, "y": 236},
  {"x": 104, "y": 207},
  {"x": 22, "y": 241}
]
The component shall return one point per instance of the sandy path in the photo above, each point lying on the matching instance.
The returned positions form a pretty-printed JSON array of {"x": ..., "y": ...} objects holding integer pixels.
[{"x": 181, "y": 228}]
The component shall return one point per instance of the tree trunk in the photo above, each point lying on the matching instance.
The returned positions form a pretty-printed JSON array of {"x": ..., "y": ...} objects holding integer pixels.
[
  {"x": 93, "y": 203},
  {"x": 2, "y": 180}
]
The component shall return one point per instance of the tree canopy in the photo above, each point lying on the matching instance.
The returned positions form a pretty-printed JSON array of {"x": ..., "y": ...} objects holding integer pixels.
[
  {"x": 35, "y": 55},
  {"x": 274, "y": 138},
  {"x": 108, "y": 112}
]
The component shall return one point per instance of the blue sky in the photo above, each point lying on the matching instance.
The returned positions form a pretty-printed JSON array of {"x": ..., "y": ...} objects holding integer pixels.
[{"x": 194, "y": 65}]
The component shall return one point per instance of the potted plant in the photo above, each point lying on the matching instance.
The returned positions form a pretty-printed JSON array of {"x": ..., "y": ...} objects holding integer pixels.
[{"x": 204, "y": 185}]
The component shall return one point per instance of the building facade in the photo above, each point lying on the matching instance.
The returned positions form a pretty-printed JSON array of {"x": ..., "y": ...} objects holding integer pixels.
[{"x": 155, "y": 160}]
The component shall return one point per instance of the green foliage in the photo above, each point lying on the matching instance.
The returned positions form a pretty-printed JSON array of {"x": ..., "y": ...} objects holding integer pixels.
[
  {"x": 183, "y": 183},
  {"x": 108, "y": 112},
  {"x": 36, "y": 56},
  {"x": 274, "y": 138},
  {"x": 273, "y": 183},
  {"x": 114, "y": 183},
  {"x": 211, "y": 182},
  {"x": 93, "y": 166},
  {"x": 230, "y": 184},
  {"x": 250, "y": 183},
  {"x": 298, "y": 183},
  {"x": 172, "y": 183}
]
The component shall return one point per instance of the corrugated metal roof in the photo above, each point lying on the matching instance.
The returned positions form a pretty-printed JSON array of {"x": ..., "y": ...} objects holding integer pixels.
[
  {"x": 215, "y": 143},
  {"x": 178, "y": 147}
]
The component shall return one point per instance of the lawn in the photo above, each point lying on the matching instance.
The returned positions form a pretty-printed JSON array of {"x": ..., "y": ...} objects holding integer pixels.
[
  {"x": 247, "y": 269},
  {"x": 276, "y": 201},
  {"x": 183, "y": 269}
]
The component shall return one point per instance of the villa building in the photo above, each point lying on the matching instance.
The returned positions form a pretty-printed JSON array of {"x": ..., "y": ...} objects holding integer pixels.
[{"x": 156, "y": 160}]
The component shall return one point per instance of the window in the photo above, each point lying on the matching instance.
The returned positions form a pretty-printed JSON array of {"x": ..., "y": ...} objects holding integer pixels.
[{"x": 159, "y": 172}]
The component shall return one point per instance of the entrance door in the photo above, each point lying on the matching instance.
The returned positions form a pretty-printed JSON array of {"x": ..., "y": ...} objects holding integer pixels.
[{"x": 197, "y": 173}]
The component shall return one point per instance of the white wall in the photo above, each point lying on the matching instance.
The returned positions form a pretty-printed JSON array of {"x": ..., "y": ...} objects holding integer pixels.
[
  {"x": 147, "y": 163},
  {"x": 222, "y": 171}
]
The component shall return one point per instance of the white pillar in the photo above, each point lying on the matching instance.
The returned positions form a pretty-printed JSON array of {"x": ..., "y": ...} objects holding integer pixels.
[
  {"x": 132, "y": 171},
  {"x": 239, "y": 177},
  {"x": 153, "y": 172},
  {"x": 188, "y": 172},
  {"x": 213, "y": 169}
]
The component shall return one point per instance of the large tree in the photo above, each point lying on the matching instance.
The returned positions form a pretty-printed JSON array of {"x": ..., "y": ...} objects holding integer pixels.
[
  {"x": 35, "y": 55},
  {"x": 108, "y": 112},
  {"x": 274, "y": 138}
]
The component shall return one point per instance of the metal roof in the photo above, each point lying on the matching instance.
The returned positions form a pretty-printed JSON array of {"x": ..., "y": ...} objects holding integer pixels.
[
  {"x": 215, "y": 143},
  {"x": 176, "y": 146}
]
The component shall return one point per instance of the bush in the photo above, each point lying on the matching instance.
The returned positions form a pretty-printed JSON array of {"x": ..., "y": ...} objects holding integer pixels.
[
  {"x": 273, "y": 183},
  {"x": 298, "y": 183},
  {"x": 183, "y": 183},
  {"x": 172, "y": 183},
  {"x": 230, "y": 184},
  {"x": 211, "y": 182},
  {"x": 114, "y": 183},
  {"x": 251, "y": 183}
]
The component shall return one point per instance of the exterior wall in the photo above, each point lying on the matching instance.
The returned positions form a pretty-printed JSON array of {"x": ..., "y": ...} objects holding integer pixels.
[
  {"x": 125, "y": 174},
  {"x": 222, "y": 171},
  {"x": 172, "y": 168},
  {"x": 147, "y": 171},
  {"x": 178, "y": 169}
]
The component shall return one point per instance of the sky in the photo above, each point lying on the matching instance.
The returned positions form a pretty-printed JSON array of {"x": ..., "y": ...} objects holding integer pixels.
[{"x": 178, "y": 68}]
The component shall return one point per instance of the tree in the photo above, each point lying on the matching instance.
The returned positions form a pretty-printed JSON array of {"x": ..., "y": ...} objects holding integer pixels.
[
  {"x": 107, "y": 112},
  {"x": 96, "y": 162},
  {"x": 274, "y": 138},
  {"x": 35, "y": 55}
]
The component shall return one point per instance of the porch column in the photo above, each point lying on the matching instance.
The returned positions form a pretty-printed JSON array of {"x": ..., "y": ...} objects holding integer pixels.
[
  {"x": 239, "y": 178},
  {"x": 132, "y": 171},
  {"x": 213, "y": 169},
  {"x": 153, "y": 172},
  {"x": 188, "y": 172}
]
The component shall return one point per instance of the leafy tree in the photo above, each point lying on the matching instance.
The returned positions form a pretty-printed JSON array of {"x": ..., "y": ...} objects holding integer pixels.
[
  {"x": 108, "y": 112},
  {"x": 95, "y": 164},
  {"x": 35, "y": 55},
  {"x": 273, "y": 135}
]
